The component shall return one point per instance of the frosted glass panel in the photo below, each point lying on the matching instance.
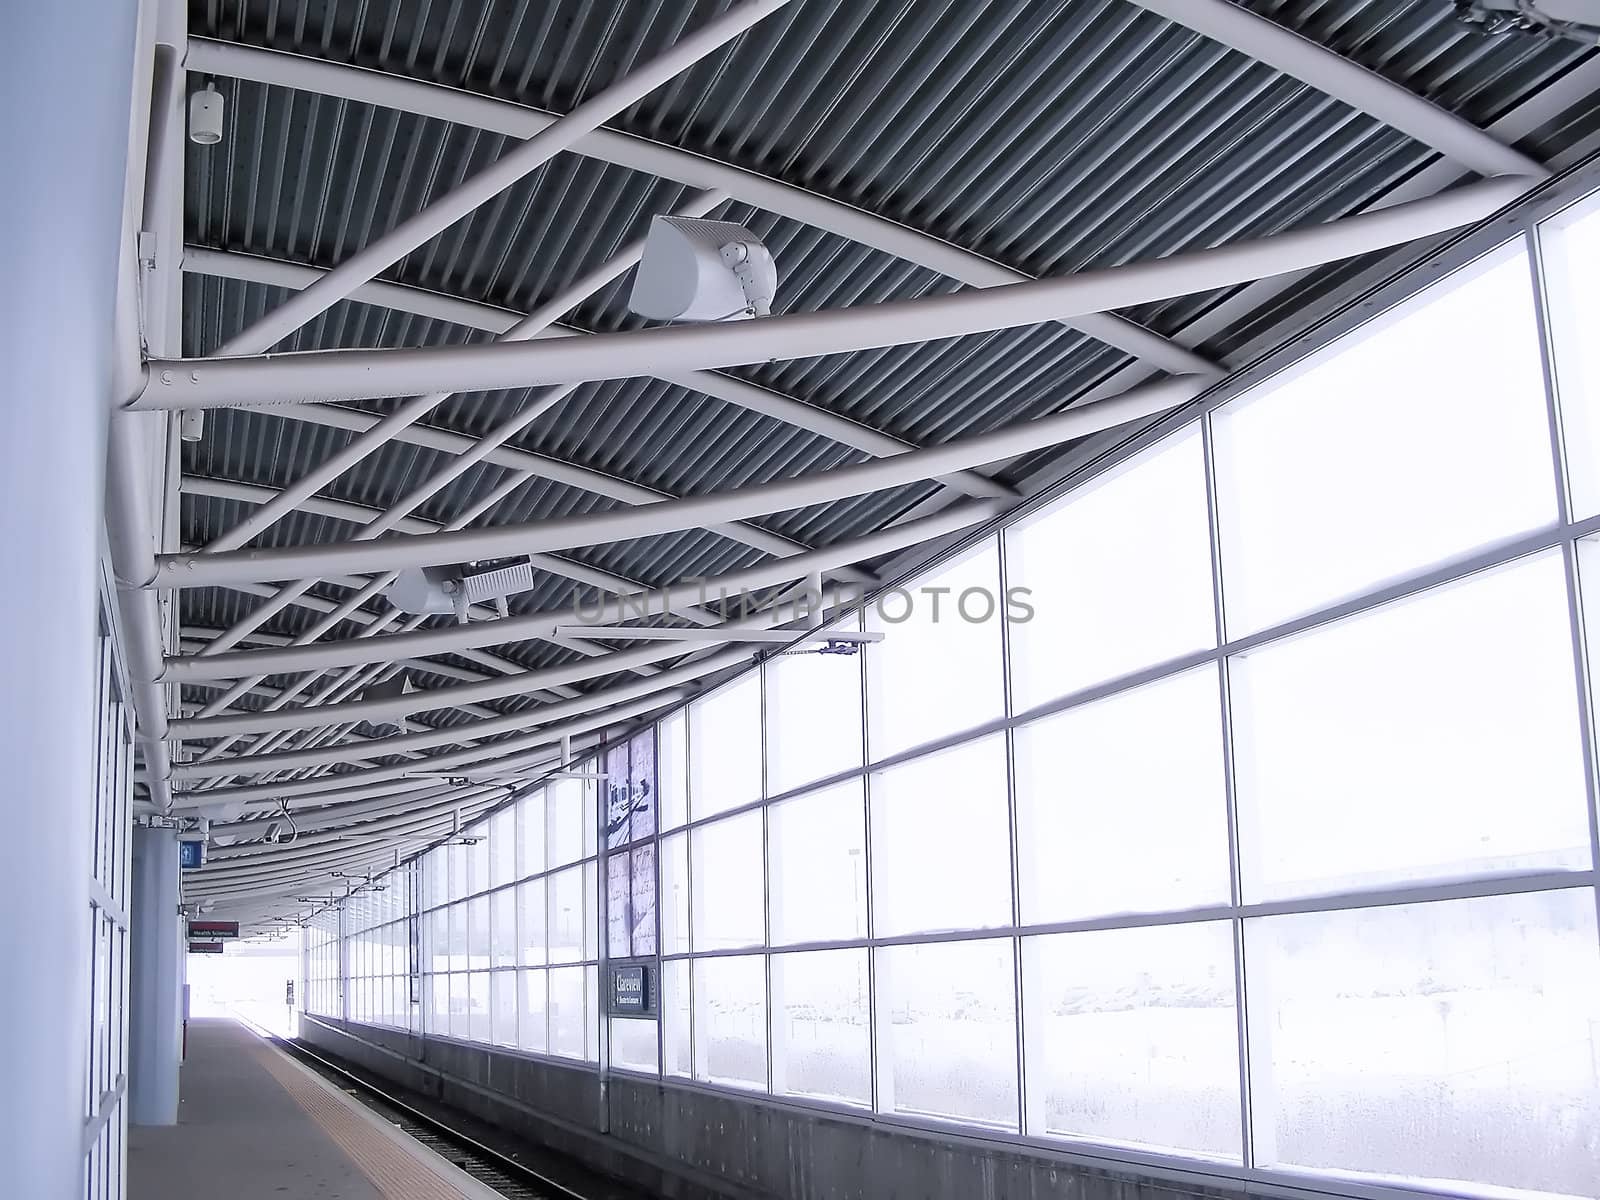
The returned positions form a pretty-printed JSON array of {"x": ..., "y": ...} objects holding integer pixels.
[
  {"x": 1433, "y": 738},
  {"x": 1133, "y": 1039},
  {"x": 1435, "y": 1042},
  {"x": 1315, "y": 505},
  {"x": 938, "y": 668},
  {"x": 725, "y": 747},
  {"x": 730, "y": 1021},
  {"x": 947, "y": 1032},
  {"x": 633, "y": 1045},
  {"x": 936, "y": 820},
  {"x": 821, "y": 1034},
  {"x": 729, "y": 903},
  {"x": 1117, "y": 575},
  {"x": 813, "y": 716},
  {"x": 568, "y": 1012},
  {"x": 1121, "y": 805},
  {"x": 816, "y": 844}
]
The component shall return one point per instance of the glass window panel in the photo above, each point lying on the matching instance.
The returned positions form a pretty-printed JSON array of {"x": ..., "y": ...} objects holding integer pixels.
[
  {"x": 478, "y": 1000},
  {"x": 591, "y": 993},
  {"x": 619, "y": 905},
  {"x": 503, "y": 924},
  {"x": 947, "y": 1032},
  {"x": 1443, "y": 1042},
  {"x": 460, "y": 1007},
  {"x": 1571, "y": 252},
  {"x": 436, "y": 876},
  {"x": 813, "y": 716},
  {"x": 532, "y": 1028},
  {"x": 642, "y": 884},
  {"x": 818, "y": 867},
  {"x": 503, "y": 997},
  {"x": 531, "y": 923},
  {"x": 1115, "y": 577},
  {"x": 438, "y": 926},
  {"x": 503, "y": 847},
  {"x": 675, "y": 1009},
  {"x": 730, "y": 1020},
  {"x": 633, "y": 1045},
  {"x": 568, "y": 1013},
  {"x": 821, "y": 1031},
  {"x": 568, "y": 909},
  {"x": 725, "y": 758},
  {"x": 934, "y": 820},
  {"x": 1408, "y": 442},
  {"x": 729, "y": 903},
  {"x": 478, "y": 933},
  {"x": 673, "y": 754},
  {"x": 1433, "y": 738},
  {"x": 675, "y": 894},
  {"x": 459, "y": 957},
  {"x": 1132, "y": 1037},
  {"x": 938, "y": 668},
  {"x": 1121, "y": 805},
  {"x": 530, "y": 835},
  {"x": 568, "y": 815}
]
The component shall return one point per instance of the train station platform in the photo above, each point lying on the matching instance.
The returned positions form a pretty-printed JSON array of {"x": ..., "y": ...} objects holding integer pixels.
[{"x": 256, "y": 1125}]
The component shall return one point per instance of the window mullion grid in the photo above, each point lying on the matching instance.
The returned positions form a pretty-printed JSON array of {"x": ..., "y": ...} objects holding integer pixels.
[
  {"x": 1013, "y": 856},
  {"x": 1229, "y": 794},
  {"x": 766, "y": 873},
  {"x": 1534, "y": 243},
  {"x": 869, "y": 921}
]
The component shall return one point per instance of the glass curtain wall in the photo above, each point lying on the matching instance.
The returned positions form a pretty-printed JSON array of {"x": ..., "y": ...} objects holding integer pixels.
[
  {"x": 1236, "y": 808},
  {"x": 105, "y": 1083}
]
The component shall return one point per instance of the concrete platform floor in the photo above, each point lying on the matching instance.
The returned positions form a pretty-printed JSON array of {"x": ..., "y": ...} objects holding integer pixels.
[{"x": 253, "y": 1124}]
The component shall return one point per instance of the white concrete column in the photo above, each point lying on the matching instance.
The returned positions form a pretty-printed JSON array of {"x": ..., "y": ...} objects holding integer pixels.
[
  {"x": 155, "y": 1007},
  {"x": 64, "y": 132}
]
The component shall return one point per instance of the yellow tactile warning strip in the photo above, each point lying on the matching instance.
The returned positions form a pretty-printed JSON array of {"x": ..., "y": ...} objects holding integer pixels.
[{"x": 400, "y": 1171}]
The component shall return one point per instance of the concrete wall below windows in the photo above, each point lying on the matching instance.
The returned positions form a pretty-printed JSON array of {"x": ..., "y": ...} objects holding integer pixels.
[{"x": 691, "y": 1144}]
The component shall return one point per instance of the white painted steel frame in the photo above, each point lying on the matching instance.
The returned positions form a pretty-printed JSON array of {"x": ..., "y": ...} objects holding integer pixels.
[
  {"x": 1564, "y": 533},
  {"x": 329, "y": 375},
  {"x": 667, "y": 162}
]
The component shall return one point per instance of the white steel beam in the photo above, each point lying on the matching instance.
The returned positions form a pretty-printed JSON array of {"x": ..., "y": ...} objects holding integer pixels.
[
  {"x": 1335, "y": 75},
  {"x": 514, "y": 752},
  {"x": 668, "y": 162},
  {"x": 738, "y": 504},
  {"x": 320, "y": 377},
  {"x": 504, "y": 172},
  {"x": 719, "y": 386},
  {"x": 457, "y": 638},
  {"x": 454, "y": 696}
]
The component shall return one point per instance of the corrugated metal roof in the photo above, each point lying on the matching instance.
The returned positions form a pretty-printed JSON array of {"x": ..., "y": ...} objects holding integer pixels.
[{"x": 1049, "y": 135}]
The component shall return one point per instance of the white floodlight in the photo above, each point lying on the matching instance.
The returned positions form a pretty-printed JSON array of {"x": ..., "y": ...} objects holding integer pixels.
[
  {"x": 205, "y": 116},
  {"x": 698, "y": 270}
]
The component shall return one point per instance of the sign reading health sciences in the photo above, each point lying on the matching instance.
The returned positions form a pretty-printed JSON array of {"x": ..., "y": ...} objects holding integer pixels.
[{"x": 213, "y": 931}]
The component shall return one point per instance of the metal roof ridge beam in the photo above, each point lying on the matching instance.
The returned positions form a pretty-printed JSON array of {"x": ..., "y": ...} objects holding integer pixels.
[
  {"x": 454, "y": 638},
  {"x": 1332, "y": 73},
  {"x": 822, "y": 487},
  {"x": 517, "y": 164},
  {"x": 326, "y": 376},
  {"x": 728, "y": 388},
  {"x": 385, "y": 90},
  {"x": 392, "y": 710},
  {"x": 376, "y": 781},
  {"x": 414, "y": 409}
]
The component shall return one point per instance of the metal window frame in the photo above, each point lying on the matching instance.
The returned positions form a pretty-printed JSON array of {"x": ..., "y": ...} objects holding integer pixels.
[{"x": 1523, "y": 227}]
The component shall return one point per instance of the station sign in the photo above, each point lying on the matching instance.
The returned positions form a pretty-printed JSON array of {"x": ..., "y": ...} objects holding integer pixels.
[
  {"x": 205, "y": 947},
  {"x": 191, "y": 855},
  {"x": 213, "y": 931},
  {"x": 631, "y": 994}
]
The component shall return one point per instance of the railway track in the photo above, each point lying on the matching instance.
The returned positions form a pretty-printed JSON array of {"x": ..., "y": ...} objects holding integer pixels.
[{"x": 494, "y": 1168}]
